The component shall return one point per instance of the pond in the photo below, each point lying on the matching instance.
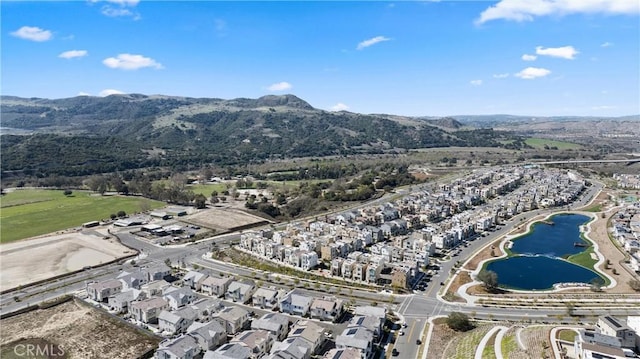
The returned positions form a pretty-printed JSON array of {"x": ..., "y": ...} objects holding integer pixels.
[{"x": 537, "y": 262}]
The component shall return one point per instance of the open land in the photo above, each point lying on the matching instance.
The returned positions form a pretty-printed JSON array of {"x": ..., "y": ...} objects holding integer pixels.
[
  {"x": 28, "y": 213},
  {"x": 81, "y": 331},
  {"x": 28, "y": 261},
  {"x": 223, "y": 219}
]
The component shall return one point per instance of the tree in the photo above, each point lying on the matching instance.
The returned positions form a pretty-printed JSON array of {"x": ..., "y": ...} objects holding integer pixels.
[
  {"x": 122, "y": 214},
  {"x": 200, "y": 201},
  {"x": 571, "y": 308},
  {"x": 459, "y": 322},
  {"x": 67, "y": 192},
  {"x": 635, "y": 284},
  {"x": 489, "y": 279}
]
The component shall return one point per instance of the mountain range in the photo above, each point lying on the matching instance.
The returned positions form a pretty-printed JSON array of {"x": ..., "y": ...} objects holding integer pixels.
[{"x": 86, "y": 134}]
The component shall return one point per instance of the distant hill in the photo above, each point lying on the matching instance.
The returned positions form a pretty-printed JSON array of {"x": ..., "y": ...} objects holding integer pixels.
[{"x": 85, "y": 134}]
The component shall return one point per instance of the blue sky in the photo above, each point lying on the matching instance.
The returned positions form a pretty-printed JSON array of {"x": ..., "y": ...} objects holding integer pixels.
[{"x": 426, "y": 58}]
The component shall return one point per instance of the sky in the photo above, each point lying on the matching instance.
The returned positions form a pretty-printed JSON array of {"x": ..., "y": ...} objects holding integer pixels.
[{"x": 413, "y": 58}]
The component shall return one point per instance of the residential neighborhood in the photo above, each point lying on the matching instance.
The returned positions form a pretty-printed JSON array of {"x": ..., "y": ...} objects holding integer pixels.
[{"x": 392, "y": 244}]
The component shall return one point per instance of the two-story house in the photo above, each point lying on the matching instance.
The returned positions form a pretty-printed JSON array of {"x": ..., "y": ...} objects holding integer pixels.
[
  {"x": 101, "y": 291},
  {"x": 240, "y": 291},
  {"x": 295, "y": 304},
  {"x": 147, "y": 310}
]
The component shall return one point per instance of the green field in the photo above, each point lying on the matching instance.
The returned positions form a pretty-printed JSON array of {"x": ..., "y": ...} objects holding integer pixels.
[
  {"x": 28, "y": 213},
  {"x": 207, "y": 189},
  {"x": 541, "y": 142}
]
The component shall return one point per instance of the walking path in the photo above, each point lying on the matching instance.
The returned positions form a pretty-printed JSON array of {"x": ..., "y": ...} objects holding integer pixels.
[{"x": 485, "y": 340}]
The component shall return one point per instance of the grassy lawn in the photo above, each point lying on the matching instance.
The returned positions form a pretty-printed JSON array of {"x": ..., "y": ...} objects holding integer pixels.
[
  {"x": 466, "y": 345},
  {"x": 583, "y": 258},
  {"x": 206, "y": 189},
  {"x": 594, "y": 208},
  {"x": 489, "y": 351},
  {"x": 28, "y": 213},
  {"x": 567, "y": 335},
  {"x": 509, "y": 345},
  {"x": 541, "y": 142}
]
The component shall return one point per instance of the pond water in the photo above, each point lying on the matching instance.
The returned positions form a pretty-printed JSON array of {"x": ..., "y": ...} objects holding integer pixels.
[{"x": 537, "y": 262}]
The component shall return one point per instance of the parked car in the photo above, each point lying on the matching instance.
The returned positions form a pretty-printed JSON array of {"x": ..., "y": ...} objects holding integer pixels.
[{"x": 395, "y": 352}]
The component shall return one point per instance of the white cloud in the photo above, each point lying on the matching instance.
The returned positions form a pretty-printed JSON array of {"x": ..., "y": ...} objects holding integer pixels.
[
  {"x": 107, "y": 92},
  {"x": 73, "y": 53},
  {"x": 124, "y": 2},
  {"x": 32, "y": 33},
  {"x": 280, "y": 86},
  {"x": 372, "y": 41},
  {"x": 116, "y": 12},
  {"x": 475, "y": 82},
  {"x": 119, "y": 8},
  {"x": 605, "y": 107},
  {"x": 527, "y": 10},
  {"x": 527, "y": 57},
  {"x": 532, "y": 72},
  {"x": 339, "y": 107},
  {"x": 606, "y": 44},
  {"x": 131, "y": 62},
  {"x": 81, "y": 93},
  {"x": 565, "y": 52},
  {"x": 500, "y": 76}
]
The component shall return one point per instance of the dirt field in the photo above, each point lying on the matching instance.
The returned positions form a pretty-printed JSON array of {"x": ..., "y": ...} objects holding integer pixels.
[
  {"x": 222, "y": 218},
  {"x": 81, "y": 331},
  {"x": 44, "y": 257}
]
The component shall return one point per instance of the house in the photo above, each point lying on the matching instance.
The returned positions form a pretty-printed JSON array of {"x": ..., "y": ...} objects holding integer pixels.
[
  {"x": 229, "y": 351},
  {"x": 258, "y": 341},
  {"x": 326, "y": 308},
  {"x": 240, "y": 291},
  {"x": 589, "y": 344},
  {"x": 276, "y": 324},
  {"x": 154, "y": 288},
  {"x": 184, "y": 347},
  {"x": 357, "y": 337},
  {"x": 344, "y": 353},
  {"x": 295, "y": 304},
  {"x": 176, "y": 321},
  {"x": 310, "y": 332},
  {"x": 120, "y": 302},
  {"x": 193, "y": 279},
  {"x": 215, "y": 286},
  {"x": 208, "y": 335},
  {"x": 369, "y": 310},
  {"x": 234, "y": 319},
  {"x": 205, "y": 308},
  {"x": 400, "y": 277},
  {"x": 308, "y": 260},
  {"x": 178, "y": 297},
  {"x": 265, "y": 298},
  {"x": 372, "y": 323},
  {"x": 291, "y": 348},
  {"x": 101, "y": 291},
  {"x": 133, "y": 279},
  {"x": 147, "y": 310},
  {"x": 158, "y": 272},
  {"x": 615, "y": 327}
]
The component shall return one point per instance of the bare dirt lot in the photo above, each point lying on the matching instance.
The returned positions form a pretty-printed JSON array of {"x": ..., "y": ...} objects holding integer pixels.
[
  {"x": 223, "y": 219},
  {"x": 40, "y": 258},
  {"x": 79, "y": 330}
]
